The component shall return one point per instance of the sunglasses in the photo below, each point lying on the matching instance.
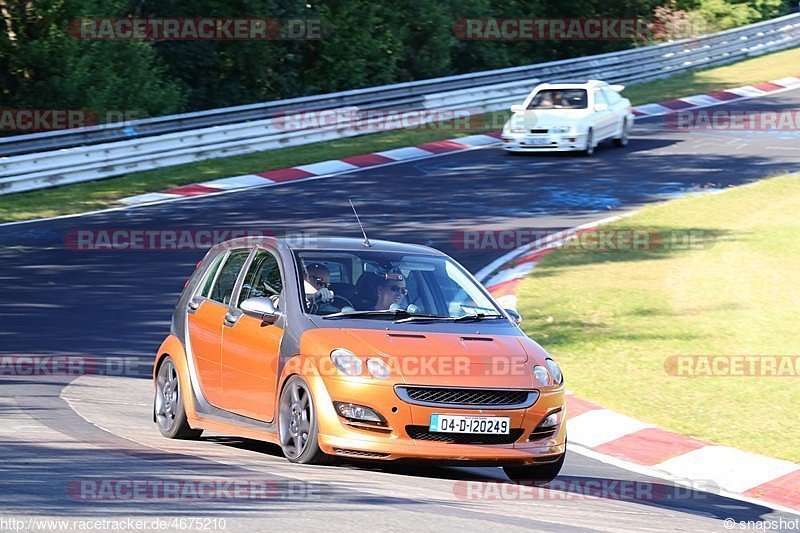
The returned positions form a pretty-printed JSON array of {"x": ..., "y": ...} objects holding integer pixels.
[
  {"x": 320, "y": 283},
  {"x": 398, "y": 288}
]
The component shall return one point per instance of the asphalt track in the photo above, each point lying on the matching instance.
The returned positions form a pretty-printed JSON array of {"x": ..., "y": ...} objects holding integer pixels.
[{"x": 106, "y": 304}]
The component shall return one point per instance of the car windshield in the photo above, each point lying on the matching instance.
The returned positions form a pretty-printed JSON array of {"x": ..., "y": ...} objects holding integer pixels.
[
  {"x": 560, "y": 99},
  {"x": 387, "y": 285}
]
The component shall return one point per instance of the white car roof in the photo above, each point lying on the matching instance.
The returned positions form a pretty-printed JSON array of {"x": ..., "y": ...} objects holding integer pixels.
[{"x": 588, "y": 84}]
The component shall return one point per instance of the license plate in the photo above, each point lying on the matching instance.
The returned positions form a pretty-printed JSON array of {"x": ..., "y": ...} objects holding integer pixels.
[
  {"x": 495, "y": 425},
  {"x": 536, "y": 142}
]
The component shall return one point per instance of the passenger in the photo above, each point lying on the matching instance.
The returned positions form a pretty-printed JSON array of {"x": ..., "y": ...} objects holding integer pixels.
[{"x": 391, "y": 291}]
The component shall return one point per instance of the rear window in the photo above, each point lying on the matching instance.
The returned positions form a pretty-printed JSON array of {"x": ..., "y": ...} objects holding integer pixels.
[{"x": 560, "y": 99}]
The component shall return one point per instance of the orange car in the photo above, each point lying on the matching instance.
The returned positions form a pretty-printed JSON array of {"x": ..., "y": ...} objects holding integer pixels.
[{"x": 378, "y": 351}]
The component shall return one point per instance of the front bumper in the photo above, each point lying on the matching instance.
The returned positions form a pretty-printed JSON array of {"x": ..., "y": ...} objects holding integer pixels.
[
  {"x": 340, "y": 437},
  {"x": 521, "y": 142}
]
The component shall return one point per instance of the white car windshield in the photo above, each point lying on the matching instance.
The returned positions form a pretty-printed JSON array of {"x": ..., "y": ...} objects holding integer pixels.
[
  {"x": 389, "y": 284},
  {"x": 560, "y": 99}
]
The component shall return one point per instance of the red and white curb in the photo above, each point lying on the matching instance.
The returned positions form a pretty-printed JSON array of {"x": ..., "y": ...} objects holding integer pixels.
[
  {"x": 328, "y": 168},
  {"x": 632, "y": 441},
  {"x": 336, "y": 167}
]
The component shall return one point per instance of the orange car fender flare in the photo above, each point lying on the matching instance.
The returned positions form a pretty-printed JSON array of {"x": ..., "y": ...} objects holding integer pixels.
[
  {"x": 307, "y": 367},
  {"x": 173, "y": 347}
]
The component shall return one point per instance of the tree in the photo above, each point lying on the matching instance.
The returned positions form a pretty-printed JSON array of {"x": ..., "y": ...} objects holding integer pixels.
[{"x": 43, "y": 67}]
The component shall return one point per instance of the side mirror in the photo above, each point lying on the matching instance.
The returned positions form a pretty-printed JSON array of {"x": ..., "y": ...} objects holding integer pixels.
[
  {"x": 517, "y": 108},
  {"x": 260, "y": 307},
  {"x": 515, "y": 316},
  {"x": 600, "y": 107}
]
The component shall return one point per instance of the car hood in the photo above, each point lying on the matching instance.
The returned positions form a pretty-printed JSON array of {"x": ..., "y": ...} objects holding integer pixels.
[
  {"x": 545, "y": 118},
  {"x": 451, "y": 359}
]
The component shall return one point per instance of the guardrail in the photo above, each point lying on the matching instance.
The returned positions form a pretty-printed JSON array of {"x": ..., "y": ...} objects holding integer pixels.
[{"x": 55, "y": 158}]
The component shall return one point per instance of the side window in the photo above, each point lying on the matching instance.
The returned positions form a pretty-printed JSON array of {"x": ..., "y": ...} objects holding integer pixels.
[
  {"x": 226, "y": 280},
  {"x": 211, "y": 273},
  {"x": 263, "y": 278},
  {"x": 600, "y": 97}
]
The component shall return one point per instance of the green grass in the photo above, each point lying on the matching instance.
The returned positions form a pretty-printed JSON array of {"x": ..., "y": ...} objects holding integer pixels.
[
  {"x": 748, "y": 72},
  {"x": 612, "y": 318},
  {"x": 104, "y": 193}
]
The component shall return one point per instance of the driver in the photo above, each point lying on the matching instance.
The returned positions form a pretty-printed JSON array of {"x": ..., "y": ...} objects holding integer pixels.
[
  {"x": 317, "y": 285},
  {"x": 391, "y": 291}
]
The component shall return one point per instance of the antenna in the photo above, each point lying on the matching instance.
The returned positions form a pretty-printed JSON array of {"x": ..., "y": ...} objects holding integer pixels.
[{"x": 366, "y": 239}]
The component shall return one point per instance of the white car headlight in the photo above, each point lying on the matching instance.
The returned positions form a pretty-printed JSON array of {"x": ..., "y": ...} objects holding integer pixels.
[
  {"x": 346, "y": 362},
  {"x": 541, "y": 374},
  {"x": 378, "y": 369},
  {"x": 555, "y": 371},
  {"x": 515, "y": 125},
  {"x": 561, "y": 129}
]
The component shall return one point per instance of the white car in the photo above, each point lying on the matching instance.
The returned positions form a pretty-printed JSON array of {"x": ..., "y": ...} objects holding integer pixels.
[{"x": 569, "y": 116}]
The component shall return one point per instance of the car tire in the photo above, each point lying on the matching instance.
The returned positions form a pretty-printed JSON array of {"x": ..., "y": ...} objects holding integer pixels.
[
  {"x": 168, "y": 410},
  {"x": 536, "y": 474},
  {"x": 622, "y": 140},
  {"x": 298, "y": 427},
  {"x": 590, "y": 145}
]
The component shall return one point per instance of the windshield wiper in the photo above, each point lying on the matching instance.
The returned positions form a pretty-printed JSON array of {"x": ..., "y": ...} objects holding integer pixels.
[
  {"x": 476, "y": 317},
  {"x": 462, "y": 318},
  {"x": 392, "y": 313}
]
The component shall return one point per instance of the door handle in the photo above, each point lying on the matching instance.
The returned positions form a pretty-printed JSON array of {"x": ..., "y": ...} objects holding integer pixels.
[{"x": 231, "y": 317}]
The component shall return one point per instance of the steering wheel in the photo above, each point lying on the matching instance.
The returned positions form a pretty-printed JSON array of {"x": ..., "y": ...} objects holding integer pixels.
[
  {"x": 316, "y": 304},
  {"x": 347, "y": 302}
]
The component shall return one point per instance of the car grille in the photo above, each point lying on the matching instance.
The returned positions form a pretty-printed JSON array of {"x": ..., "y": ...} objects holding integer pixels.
[
  {"x": 360, "y": 453},
  {"x": 422, "y": 433},
  {"x": 465, "y": 397}
]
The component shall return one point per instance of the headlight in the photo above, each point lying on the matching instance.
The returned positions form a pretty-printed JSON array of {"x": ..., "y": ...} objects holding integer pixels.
[
  {"x": 346, "y": 362},
  {"x": 561, "y": 129},
  {"x": 378, "y": 368},
  {"x": 541, "y": 374},
  {"x": 555, "y": 371},
  {"x": 516, "y": 126}
]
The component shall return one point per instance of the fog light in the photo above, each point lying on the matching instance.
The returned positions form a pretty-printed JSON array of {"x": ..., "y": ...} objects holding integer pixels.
[
  {"x": 551, "y": 420},
  {"x": 359, "y": 413}
]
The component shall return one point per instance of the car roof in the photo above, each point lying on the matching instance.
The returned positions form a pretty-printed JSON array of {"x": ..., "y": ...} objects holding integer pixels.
[
  {"x": 314, "y": 242},
  {"x": 571, "y": 84}
]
